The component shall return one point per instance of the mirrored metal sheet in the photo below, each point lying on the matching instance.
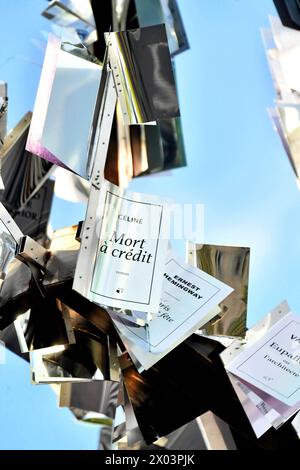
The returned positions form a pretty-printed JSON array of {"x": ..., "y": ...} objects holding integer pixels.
[
  {"x": 187, "y": 437},
  {"x": 150, "y": 12},
  {"x": 34, "y": 217},
  {"x": 9, "y": 237},
  {"x": 139, "y": 150},
  {"x": 75, "y": 14},
  {"x": 142, "y": 149},
  {"x": 164, "y": 147},
  {"x": 64, "y": 251},
  {"x": 63, "y": 120},
  {"x": 103, "y": 19},
  {"x": 97, "y": 396},
  {"x": 134, "y": 437},
  {"x": 47, "y": 324},
  {"x": 23, "y": 173},
  {"x": 87, "y": 359},
  {"x": 70, "y": 187},
  {"x": 116, "y": 219},
  {"x": 156, "y": 393},
  {"x": 230, "y": 265},
  {"x": 142, "y": 69}
]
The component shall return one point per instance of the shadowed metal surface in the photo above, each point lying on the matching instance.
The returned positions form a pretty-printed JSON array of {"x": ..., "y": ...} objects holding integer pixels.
[{"x": 141, "y": 65}]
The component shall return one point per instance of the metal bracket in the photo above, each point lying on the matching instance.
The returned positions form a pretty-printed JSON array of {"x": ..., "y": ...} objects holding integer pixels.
[
  {"x": 31, "y": 252},
  {"x": 34, "y": 256}
]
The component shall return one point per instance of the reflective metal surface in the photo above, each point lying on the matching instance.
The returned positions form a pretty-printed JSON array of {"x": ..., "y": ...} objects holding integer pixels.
[
  {"x": 142, "y": 69},
  {"x": 230, "y": 265},
  {"x": 138, "y": 150},
  {"x": 34, "y": 217},
  {"x": 166, "y": 397},
  {"x": 157, "y": 148},
  {"x": 23, "y": 173},
  {"x": 47, "y": 324},
  {"x": 63, "y": 113},
  {"x": 70, "y": 187},
  {"x": 16, "y": 294},
  {"x": 74, "y": 14},
  {"x": 9, "y": 237},
  {"x": 150, "y": 12},
  {"x": 87, "y": 359}
]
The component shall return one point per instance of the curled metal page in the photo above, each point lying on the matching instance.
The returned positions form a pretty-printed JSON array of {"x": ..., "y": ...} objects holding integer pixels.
[
  {"x": 142, "y": 69},
  {"x": 47, "y": 324},
  {"x": 63, "y": 115},
  {"x": 17, "y": 295},
  {"x": 7, "y": 250},
  {"x": 64, "y": 250},
  {"x": 150, "y": 12},
  {"x": 87, "y": 359},
  {"x": 9, "y": 237},
  {"x": 230, "y": 265},
  {"x": 23, "y": 173}
]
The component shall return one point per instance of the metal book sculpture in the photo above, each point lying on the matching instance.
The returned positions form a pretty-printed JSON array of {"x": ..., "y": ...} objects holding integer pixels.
[{"x": 105, "y": 310}]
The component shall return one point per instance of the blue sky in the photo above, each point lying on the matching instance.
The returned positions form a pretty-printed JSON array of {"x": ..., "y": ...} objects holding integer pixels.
[{"x": 236, "y": 167}]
